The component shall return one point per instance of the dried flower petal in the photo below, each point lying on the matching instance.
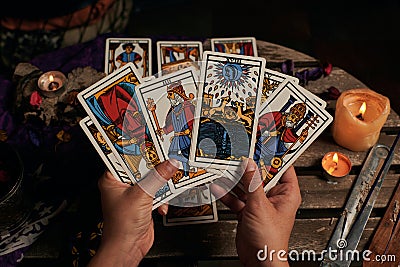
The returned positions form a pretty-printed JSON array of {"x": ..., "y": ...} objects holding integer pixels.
[{"x": 36, "y": 99}]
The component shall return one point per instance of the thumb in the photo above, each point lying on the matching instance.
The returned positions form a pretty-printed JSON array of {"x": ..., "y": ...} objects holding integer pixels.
[
  {"x": 251, "y": 179},
  {"x": 158, "y": 177}
]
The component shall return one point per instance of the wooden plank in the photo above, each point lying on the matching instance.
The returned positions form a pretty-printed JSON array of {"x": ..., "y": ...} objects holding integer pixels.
[
  {"x": 386, "y": 238},
  {"x": 337, "y": 78},
  {"x": 277, "y": 53},
  {"x": 318, "y": 194},
  {"x": 311, "y": 157},
  {"x": 205, "y": 241}
]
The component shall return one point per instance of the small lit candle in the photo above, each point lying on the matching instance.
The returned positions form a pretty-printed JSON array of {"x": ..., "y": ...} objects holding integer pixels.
[
  {"x": 359, "y": 117},
  {"x": 335, "y": 166},
  {"x": 52, "y": 83}
]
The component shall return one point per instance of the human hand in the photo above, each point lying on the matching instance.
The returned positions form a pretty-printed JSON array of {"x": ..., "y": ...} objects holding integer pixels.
[
  {"x": 128, "y": 232},
  {"x": 263, "y": 219}
]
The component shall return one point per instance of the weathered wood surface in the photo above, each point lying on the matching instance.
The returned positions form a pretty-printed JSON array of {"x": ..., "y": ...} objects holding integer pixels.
[
  {"x": 321, "y": 201},
  {"x": 217, "y": 240},
  {"x": 320, "y": 196},
  {"x": 386, "y": 239}
]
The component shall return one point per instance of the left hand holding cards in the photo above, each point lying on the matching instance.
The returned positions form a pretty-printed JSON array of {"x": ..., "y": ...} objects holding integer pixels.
[
  {"x": 128, "y": 232},
  {"x": 264, "y": 220}
]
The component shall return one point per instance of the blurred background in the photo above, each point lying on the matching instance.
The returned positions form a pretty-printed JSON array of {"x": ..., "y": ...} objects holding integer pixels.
[{"x": 361, "y": 38}]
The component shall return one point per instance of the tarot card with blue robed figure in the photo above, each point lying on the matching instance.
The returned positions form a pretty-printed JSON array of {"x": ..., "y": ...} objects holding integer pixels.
[
  {"x": 112, "y": 105},
  {"x": 120, "y": 51},
  {"x": 175, "y": 55},
  {"x": 289, "y": 121},
  {"x": 168, "y": 105},
  {"x": 225, "y": 125},
  {"x": 163, "y": 195},
  {"x": 246, "y": 46}
]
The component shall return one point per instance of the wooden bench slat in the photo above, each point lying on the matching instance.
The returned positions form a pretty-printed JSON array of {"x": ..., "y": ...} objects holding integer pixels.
[
  {"x": 312, "y": 156},
  {"x": 218, "y": 241}
]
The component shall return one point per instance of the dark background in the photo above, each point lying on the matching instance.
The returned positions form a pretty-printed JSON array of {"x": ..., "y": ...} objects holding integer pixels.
[{"x": 362, "y": 38}]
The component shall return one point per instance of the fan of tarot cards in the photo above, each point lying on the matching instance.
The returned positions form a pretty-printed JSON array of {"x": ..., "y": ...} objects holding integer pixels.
[{"x": 207, "y": 109}]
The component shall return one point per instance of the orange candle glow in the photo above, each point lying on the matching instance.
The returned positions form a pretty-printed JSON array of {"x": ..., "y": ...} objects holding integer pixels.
[
  {"x": 335, "y": 165},
  {"x": 359, "y": 117}
]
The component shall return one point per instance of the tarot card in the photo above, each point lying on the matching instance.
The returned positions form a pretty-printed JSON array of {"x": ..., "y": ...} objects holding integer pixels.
[
  {"x": 168, "y": 107},
  {"x": 225, "y": 126},
  {"x": 288, "y": 123},
  {"x": 120, "y": 51},
  {"x": 175, "y": 55},
  {"x": 240, "y": 45},
  {"x": 272, "y": 81},
  {"x": 194, "y": 206},
  {"x": 104, "y": 150},
  {"x": 162, "y": 195},
  {"x": 112, "y": 105}
]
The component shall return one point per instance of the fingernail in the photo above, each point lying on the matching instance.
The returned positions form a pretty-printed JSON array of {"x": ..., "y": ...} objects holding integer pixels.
[
  {"x": 163, "y": 210},
  {"x": 248, "y": 165},
  {"x": 255, "y": 182},
  {"x": 174, "y": 162}
]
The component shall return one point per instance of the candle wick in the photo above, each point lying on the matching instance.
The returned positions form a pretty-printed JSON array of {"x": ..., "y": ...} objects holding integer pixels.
[{"x": 360, "y": 117}]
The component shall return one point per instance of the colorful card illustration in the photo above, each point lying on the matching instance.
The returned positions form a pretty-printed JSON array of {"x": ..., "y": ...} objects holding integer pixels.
[
  {"x": 120, "y": 51},
  {"x": 175, "y": 55},
  {"x": 168, "y": 105},
  {"x": 113, "y": 165},
  {"x": 246, "y": 46},
  {"x": 112, "y": 105},
  {"x": 288, "y": 123},
  {"x": 225, "y": 126},
  {"x": 196, "y": 205},
  {"x": 104, "y": 150}
]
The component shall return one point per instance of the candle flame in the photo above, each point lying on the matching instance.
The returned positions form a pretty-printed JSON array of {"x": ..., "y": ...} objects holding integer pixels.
[
  {"x": 362, "y": 110},
  {"x": 335, "y": 158},
  {"x": 51, "y": 78}
]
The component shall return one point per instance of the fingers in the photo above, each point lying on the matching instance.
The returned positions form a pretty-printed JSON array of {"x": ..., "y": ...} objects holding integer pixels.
[
  {"x": 232, "y": 202},
  {"x": 107, "y": 180},
  {"x": 288, "y": 186},
  {"x": 289, "y": 178},
  {"x": 163, "y": 209},
  {"x": 252, "y": 179},
  {"x": 157, "y": 177}
]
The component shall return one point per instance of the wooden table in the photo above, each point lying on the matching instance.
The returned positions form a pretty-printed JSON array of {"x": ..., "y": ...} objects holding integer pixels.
[{"x": 321, "y": 204}]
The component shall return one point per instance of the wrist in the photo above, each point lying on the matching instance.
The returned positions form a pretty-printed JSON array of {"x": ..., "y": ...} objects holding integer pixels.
[{"x": 110, "y": 254}]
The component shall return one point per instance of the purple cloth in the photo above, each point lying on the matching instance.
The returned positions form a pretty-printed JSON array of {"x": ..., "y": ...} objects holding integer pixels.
[
  {"x": 12, "y": 259},
  {"x": 80, "y": 55},
  {"x": 38, "y": 143},
  {"x": 306, "y": 75}
]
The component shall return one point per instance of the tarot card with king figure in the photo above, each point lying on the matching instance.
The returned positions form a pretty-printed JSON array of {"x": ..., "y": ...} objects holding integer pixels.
[
  {"x": 289, "y": 121},
  {"x": 168, "y": 105},
  {"x": 225, "y": 125}
]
